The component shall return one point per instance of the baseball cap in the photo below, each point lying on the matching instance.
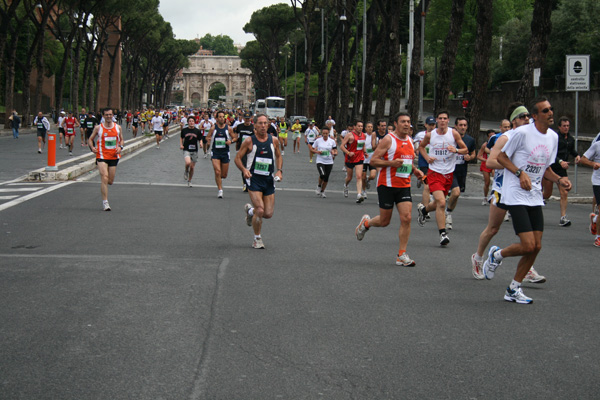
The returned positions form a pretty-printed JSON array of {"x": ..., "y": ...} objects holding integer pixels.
[
  {"x": 247, "y": 114},
  {"x": 429, "y": 120}
]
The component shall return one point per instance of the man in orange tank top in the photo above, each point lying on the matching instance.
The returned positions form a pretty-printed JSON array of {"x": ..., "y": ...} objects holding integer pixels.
[
  {"x": 353, "y": 147},
  {"x": 108, "y": 152},
  {"x": 395, "y": 155}
]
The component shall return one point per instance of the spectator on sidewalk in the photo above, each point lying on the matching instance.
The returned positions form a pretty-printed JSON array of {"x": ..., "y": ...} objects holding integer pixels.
[{"x": 15, "y": 123}]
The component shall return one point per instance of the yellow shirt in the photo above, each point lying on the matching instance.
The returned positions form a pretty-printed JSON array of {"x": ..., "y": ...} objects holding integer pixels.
[{"x": 296, "y": 128}]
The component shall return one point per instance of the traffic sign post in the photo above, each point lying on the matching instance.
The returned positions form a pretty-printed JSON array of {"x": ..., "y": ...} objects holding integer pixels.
[{"x": 577, "y": 79}]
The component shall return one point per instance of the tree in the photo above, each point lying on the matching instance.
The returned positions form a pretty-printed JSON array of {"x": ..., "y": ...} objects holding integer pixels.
[
  {"x": 306, "y": 16},
  {"x": 221, "y": 45},
  {"x": 414, "y": 95},
  {"x": 481, "y": 64},
  {"x": 541, "y": 26}
]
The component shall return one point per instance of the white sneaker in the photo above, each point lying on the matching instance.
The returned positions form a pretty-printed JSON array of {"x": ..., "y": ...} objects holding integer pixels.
[
  {"x": 345, "y": 189},
  {"x": 533, "y": 277},
  {"x": 444, "y": 239},
  {"x": 323, "y": 195},
  {"x": 484, "y": 202},
  {"x": 318, "y": 191},
  {"x": 361, "y": 229},
  {"x": 507, "y": 216},
  {"x": 186, "y": 175},
  {"x": 405, "y": 261},
  {"x": 359, "y": 198},
  {"x": 517, "y": 296},
  {"x": 283, "y": 153},
  {"x": 477, "y": 265},
  {"x": 421, "y": 212},
  {"x": 448, "y": 221},
  {"x": 106, "y": 206},
  {"x": 247, "y": 208},
  {"x": 258, "y": 244},
  {"x": 490, "y": 265},
  {"x": 220, "y": 194}
]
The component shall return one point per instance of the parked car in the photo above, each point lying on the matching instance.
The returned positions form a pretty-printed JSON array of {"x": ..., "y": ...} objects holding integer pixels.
[{"x": 303, "y": 121}]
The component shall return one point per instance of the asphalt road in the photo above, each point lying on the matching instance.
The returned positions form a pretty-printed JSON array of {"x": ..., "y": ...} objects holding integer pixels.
[{"x": 163, "y": 298}]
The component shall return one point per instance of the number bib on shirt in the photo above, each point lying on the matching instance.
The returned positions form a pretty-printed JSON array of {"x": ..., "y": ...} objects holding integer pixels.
[
  {"x": 405, "y": 170},
  {"x": 69, "y": 130},
  {"x": 360, "y": 145},
  {"x": 262, "y": 166},
  {"x": 110, "y": 143},
  {"x": 325, "y": 153},
  {"x": 220, "y": 143},
  {"x": 369, "y": 151},
  {"x": 192, "y": 147},
  {"x": 90, "y": 125},
  {"x": 460, "y": 159}
]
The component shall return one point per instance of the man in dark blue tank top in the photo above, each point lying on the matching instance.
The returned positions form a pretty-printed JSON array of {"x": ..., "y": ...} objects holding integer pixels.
[
  {"x": 261, "y": 171},
  {"x": 220, "y": 137}
]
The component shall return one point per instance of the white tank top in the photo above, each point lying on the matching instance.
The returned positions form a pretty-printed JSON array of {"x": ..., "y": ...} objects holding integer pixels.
[{"x": 438, "y": 148}]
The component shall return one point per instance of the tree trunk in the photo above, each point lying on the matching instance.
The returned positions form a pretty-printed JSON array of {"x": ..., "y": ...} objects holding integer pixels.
[
  {"x": 40, "y": 74},
  {"x": 76, "y": 63},
  {"x": 449, "y": 56},
  {"x": 481, "y": 64},
  {"x": 395, "y": 61},
  {"x": 98, "y": 79},
  {"x": 10, "y": 76},
  {"x": 414, "y": 94},
  {"x": 111, "y": 73},
  {"x": 541, "y": 27}
]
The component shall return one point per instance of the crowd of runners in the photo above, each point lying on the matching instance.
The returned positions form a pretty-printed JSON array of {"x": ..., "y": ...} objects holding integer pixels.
[{"x": 520, "y": 164}]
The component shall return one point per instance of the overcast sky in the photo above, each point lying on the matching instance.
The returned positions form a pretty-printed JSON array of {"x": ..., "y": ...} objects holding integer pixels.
[{"x": 191, "y": 19}]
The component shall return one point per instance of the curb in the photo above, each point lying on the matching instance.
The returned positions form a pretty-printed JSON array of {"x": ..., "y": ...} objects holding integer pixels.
[{"x": 88, "y": 162}]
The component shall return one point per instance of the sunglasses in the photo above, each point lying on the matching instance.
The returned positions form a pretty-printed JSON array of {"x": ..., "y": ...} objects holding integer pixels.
[
  {"x": 523, "y": 116},
  {"x": 547, "y": 110}
]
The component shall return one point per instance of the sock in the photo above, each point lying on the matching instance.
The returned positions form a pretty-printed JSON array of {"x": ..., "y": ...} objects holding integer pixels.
[
  {"x": 257, "y": 237},
  {"x": 251, "y": 212},
  {"x": 400, "y": 252},
  {"x": 514, "y": 285},
  {"x": 478, "y": 257},
  {"x": 498, "y": 255},
  {"x": 442, "y": 231},
  {"x": 104, "y": 201},
  {"x": 448, "y": 210}
]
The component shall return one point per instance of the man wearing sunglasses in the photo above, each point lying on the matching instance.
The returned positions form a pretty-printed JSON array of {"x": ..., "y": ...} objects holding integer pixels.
[{"x": 526, "y": 158}]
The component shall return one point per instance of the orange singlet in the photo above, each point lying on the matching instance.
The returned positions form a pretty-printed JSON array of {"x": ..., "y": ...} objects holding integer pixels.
[
  {"x": 108, "y": 140},
  {"x": 398, "y": 177}
]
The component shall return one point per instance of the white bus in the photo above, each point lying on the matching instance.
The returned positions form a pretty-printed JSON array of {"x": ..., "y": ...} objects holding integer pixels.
[
  {"x": 275, "y": 107},
  {"x": 259, "y": 107}
]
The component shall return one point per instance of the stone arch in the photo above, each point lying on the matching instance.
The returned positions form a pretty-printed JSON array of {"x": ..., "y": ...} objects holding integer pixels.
[{"x": 196, "y": 99}]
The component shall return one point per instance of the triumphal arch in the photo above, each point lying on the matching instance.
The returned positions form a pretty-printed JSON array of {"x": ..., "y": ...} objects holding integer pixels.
[{"x": 207, "y": 70}]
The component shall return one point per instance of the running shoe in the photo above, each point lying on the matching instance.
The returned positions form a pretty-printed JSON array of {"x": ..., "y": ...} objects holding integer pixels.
[
  {"x": 106, "y": 206},
  {"x": 477, "y": 271},
  {"x": 220, "y": 194},
  {"x": 359, "y": 198},
  {"x": 368, "y": 185},
  {"x": 158, "y": 146},
  {"x": 364, "y": 194},
  {"x": 71, "y": 153},
  {"x": 205, "y": 155},
  {"x": 61, "y": 146},
  {"x": 247, "y": 208},
  {"x": 40, "y": 151},
  {"x": 517, "y": 296},
  {"x": 189, "y": 183},
  {"x": 507, "y": 216},
  {"x": 448, "y": 221},
  {"x": 361, "y": 229},
  {"x": 419, "y": 183},
  {"x": 490, "y": 265},
  {"x": 444, "y": 239},
  {"x": 533, "y": 277},
  {"x": 318, "y": 190},
  {"x": 405, "y": 261},
  {"x": 283, "y": 153},
  {"x": 421, "y": 211},
  {"x": 345, "y": 191},
  {"x": 258, "y": 244},
  {"x": 323, "y": 195},
  {"x": 484, "y": 202},
  {"x": 564, "y": 221},
  {"x": 593, "y": 225},
  {"x": 597, "y": 242},
  {"x": 310, "y": 160},
  {"x": 186, "y": 175}
]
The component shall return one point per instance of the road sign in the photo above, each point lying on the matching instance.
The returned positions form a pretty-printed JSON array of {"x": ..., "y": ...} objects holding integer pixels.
[
  {"x": 536, "y": 76},
  {"x": 578, "y": 73}
]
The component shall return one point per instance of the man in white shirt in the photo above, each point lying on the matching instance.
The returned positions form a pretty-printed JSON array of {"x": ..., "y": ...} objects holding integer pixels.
[
  {"x": 157, "y": 125},
  {"x": 526, "y": 158}
]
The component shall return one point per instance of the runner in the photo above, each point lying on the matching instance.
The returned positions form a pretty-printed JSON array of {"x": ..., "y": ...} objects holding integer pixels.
[
  {"x": 460, "y": 169},
  {"x": 310, "y": 135},
  {"x": 243, "y": 131},
  {"x": 326, "y": 149},
  {"x": 143, "y": 120},
  {"x": 135, "y": 121},
  {"x": 296, "y": 128},
  {"x": 43, "y": 126},
  {"x": 188, "y": 142},
  {"x": 220, "y": 137},
  {"x": 353, "y": 147},
  {"x": 283, "y": 134},
  {"x": 395, "y": 154},
  {"x": 128, "y": 118},
  {"x": 482, "y": 155},
  {"x": 566, "y": 147},
  {"x": 82, "y": 118},
  {"x": 519, "y": 116},
  {"x": 90, "y": 122},
  {"x": 422, "y": 163},
  {"x": 69, "y": 125},
  {"x": 108, "y": 152},
  {"x": 205, "y": 127},
  {"x": 526, "y": 157},
  {"x": 157, "y": 125},
  {"x": 166, "y": 119},
  {"x": 444, "y": 145},
  {"x": 263, "y": 154},
  {"x": 591, "y": 158},
  {"x": 61, "y": 130},
  {"x": 370, "y": 172}
]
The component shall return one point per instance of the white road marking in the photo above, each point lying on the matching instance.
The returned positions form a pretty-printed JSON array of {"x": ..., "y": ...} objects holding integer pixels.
[
  {"x": 32, "y": 189},
  {"x": 33, "y": 195},
  {"x": 8, "y": 197}
]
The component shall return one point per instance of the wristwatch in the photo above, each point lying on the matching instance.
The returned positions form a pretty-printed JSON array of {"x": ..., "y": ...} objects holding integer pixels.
[{"x": 518, "y": 172}]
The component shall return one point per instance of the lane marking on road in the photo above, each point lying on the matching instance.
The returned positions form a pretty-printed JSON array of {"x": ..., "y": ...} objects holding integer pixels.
[
  {"x": 33, "y": 195},
  {"x": 89, "y": 257},
  {"x": 8, "y": 197},
  {"x": 202, "y": 369},
  {"x": 31, "y": 189}
]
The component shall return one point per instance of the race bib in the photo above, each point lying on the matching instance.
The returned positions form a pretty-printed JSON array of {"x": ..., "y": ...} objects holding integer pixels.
[
  {"x": 220, "y": 143},
  {"x": 460, "y": 159},
  {"x": 110, "y": 143},
  {"x": 192, "y": 147},
  {"x": 325, "y": 153},
  {"x": 369, "y": 151},
  {"x": 405, "y": 170},
  {"x": 69, "y": 130},
  {"x": 262, "y": 166},
  {"x": 360, "y": 145},
  {"x": 90, "y": 125},
  {"x": 40, "y": 125}
]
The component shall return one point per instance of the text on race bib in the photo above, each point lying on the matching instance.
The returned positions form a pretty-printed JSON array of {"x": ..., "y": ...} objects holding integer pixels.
[
  {"x": 360, "y": 145},
  {"x": 262, "y": 166},
  {"x": 220, "y": 143},
  {"x": 405, "y": 170},
  {"x": 110, "y": 143}
]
